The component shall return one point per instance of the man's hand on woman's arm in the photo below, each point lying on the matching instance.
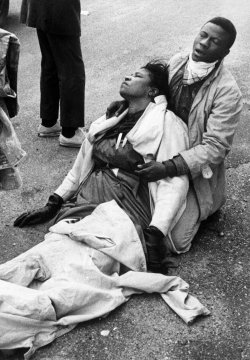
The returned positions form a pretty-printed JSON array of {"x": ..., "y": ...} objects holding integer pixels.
[
  {"x": 154, "y": 170},
  {"x": 42, "y": 214},
  {"x": 116, "y": 108}
]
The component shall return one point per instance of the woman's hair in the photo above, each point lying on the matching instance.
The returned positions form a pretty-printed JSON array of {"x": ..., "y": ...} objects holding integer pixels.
[{"x": 158, "y": 73}]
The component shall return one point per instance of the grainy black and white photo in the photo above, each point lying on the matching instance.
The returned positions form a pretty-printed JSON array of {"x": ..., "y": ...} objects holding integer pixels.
[{"x": 124, "y": 179}]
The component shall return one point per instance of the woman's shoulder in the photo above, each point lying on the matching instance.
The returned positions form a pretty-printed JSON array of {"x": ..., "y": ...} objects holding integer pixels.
[{"x": 175, "y": 121}]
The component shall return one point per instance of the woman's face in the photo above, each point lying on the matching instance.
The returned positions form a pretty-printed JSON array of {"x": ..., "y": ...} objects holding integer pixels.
[{"x": 136, "y": 85}]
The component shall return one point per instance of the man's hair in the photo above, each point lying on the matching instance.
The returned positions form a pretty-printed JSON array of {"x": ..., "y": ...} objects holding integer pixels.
[
  {"x": 158, "y": 73},
  {"x": 227, "y": 26}
]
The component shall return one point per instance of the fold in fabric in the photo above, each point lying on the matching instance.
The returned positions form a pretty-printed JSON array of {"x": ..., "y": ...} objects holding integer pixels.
[
  {"x": 73, "y": 276},
  {"x": 11, "y": 152}
]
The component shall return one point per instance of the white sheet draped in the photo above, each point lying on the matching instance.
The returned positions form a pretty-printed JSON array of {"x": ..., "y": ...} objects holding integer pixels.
[{"x": 73, "y": 276}]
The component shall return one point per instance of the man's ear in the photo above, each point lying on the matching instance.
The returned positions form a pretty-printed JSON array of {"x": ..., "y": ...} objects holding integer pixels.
[{"x": 226, "y": 52}]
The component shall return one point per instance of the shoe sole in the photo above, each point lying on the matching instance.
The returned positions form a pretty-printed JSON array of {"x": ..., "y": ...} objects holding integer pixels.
[{"x": 49, "y": 134}]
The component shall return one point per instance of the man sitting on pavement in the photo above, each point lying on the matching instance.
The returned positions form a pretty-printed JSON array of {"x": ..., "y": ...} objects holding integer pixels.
[{"x": 204, "y": 94}]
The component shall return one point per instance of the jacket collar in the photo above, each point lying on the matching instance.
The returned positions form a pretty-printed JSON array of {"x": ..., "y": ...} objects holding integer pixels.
[
  {"x": 214, "y": 74},
  {"x": 210, "y": 79}
]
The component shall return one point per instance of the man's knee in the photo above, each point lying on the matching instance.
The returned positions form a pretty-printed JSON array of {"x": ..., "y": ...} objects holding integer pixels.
[{"x": 180, "y": 240}]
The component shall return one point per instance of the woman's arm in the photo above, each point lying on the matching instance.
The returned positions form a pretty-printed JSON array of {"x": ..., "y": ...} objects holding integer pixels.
[
  {"x": 169, "y": 194},
  {"x": 71, "y": 182},
  {"x": 169, "y": 202},
  {"x": 84, "y": 162},
  {"x": 64, "y": 192}
]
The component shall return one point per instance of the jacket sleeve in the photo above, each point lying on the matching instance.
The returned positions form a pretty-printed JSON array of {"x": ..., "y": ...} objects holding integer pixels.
[
  {"x": 72, "y": 181},
  {"x": 169, "y": 195},
  {"x": 170, "y": 202},
  {"x": 220, "y": 128},
  {"x": 84, "y": 161}
]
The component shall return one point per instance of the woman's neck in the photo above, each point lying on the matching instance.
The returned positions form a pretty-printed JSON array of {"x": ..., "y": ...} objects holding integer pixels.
[{"x": 137, "y": 105}]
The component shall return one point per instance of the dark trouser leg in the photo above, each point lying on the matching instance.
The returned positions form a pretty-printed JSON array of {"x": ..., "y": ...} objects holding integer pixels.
[
  {"x": 154, "y": 240},
  {"x": 70, "y": 70},
  {"x": 49, "y": 83}
]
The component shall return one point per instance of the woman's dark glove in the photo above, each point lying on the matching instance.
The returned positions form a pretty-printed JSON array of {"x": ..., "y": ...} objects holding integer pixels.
[
  {"x": 155, "y": 249},
  {"x": 116, "y": 108},
  {"x": 40, "y": 215}
]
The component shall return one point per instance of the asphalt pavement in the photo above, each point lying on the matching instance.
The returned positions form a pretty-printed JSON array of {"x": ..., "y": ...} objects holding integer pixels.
[{"x": 117, "y": 38}]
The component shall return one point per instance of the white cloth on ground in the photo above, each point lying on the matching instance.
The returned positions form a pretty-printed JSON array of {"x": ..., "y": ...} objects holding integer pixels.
[{"x": 76, "y": 278}]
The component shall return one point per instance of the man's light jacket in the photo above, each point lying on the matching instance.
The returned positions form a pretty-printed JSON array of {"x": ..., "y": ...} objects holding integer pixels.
[{"x": 212, "y": 122}]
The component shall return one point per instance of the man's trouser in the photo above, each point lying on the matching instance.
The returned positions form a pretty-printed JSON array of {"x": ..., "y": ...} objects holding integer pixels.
[
  {"x": 62, "y": 79},
  {"x": 186, "y": 227}
]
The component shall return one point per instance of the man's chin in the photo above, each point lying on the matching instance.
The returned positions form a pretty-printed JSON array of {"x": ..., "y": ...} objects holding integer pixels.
[
  {"x": 196, "y": 57},
  {"x": 201, "y": 58}
]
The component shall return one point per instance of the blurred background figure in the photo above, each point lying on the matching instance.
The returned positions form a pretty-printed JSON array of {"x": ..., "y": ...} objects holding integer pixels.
[{"x": 11, "y": 152}]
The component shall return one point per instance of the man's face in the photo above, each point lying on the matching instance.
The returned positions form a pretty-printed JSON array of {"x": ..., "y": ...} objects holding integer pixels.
[
  {"x": 136, "y": 85},
  {"x": 210, "y": 44}
]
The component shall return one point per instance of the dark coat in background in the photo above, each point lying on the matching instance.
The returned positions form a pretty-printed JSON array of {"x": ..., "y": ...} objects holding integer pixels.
[
  {"x": 59, "y": 17},
  {"x": 62, "y": 82},
  {"x": 9, "y": 59}
]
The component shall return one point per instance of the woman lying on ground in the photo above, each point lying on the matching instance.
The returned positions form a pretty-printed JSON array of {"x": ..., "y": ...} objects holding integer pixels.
[
  {"x": 107, "y": 223},
  {"x": 105, "y": 167}
]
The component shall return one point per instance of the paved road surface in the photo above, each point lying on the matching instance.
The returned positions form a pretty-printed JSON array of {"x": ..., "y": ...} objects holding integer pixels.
[{"x": 117, "y": 37}]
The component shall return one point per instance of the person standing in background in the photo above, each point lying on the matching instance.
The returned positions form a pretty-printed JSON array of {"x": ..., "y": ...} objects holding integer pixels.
[
  {"x": 11, "y": 152},
  {"x": 62, "y": 82}
]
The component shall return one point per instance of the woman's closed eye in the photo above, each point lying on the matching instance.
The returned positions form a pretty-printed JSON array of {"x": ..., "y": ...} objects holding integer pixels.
[{"x": 136, "y": 75}]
